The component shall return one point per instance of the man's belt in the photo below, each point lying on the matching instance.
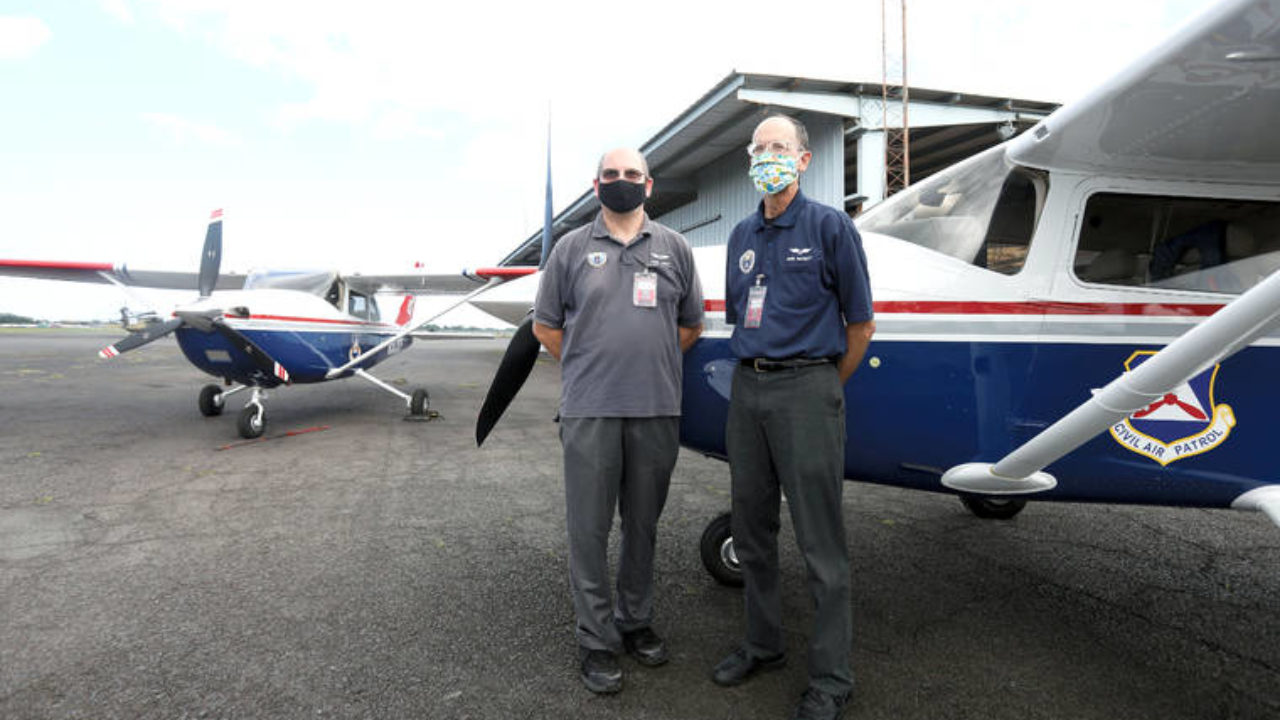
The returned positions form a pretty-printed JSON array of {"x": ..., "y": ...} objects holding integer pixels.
[{"x": 767, "y": 365}]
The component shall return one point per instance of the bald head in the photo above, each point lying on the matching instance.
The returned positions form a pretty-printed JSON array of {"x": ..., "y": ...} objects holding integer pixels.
[
  {"x": 622, "y": 158},
  {"x": 783, "y": 127}
]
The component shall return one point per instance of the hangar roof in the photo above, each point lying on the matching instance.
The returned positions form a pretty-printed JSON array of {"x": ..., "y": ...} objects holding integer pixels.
[{"x": 723, "y": 119}]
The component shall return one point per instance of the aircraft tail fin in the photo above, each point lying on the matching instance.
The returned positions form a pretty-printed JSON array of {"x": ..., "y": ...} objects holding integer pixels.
[
  {"x": 406, "y": 311},
  {"x": 211, "y": 260}
]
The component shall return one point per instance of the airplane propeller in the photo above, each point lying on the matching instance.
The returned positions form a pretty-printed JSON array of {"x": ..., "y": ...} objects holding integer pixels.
[
  {"x": 204, "y": 320},
  {"x": 522, "y": 351},
  {"x": 517, "y": 363}
]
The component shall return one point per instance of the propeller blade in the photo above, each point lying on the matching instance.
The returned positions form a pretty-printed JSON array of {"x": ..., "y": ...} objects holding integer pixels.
[
  {"x": 274, "y": 372},
  {"x": 140, "y": 338},
  {"x": 211, "y": 260},
  {"x": 517, "y": 363}
]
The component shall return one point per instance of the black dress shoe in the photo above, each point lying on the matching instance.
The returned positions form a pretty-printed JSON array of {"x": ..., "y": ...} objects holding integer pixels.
[
  {"x": 739, "y": 666},
  {"x": 600, "y": 671},
  {"x": 645, "y": 646},
  {"x": 816, "y": 704}
]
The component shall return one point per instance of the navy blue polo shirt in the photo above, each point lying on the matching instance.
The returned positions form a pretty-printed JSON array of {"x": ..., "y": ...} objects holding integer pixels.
[{"x": 812, "y": 261}]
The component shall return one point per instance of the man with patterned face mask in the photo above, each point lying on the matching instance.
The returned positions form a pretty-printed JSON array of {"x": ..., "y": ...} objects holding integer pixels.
[
  {"x": 618, "y": 303},
  {"x": 799, "y": 297}
]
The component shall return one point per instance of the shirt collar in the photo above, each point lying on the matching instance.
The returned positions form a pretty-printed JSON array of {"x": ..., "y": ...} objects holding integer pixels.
[
  {"x": 600, "y": 232},
  {"x": 788, "y": 216}
]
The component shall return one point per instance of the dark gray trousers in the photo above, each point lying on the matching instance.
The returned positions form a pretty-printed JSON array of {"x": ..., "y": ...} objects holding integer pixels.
[
  {"x": 786, "y": 432},
  {"x": 624, "y": 463}
]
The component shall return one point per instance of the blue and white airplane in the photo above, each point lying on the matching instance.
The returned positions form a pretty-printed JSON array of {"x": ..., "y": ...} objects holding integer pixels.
[
  {"x": 1085, "y": 313},
  {"x": 275, "y": 327}
]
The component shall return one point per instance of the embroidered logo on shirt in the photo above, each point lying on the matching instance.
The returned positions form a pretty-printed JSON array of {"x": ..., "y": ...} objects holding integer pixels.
[
  {"x": 747, "y": 261},
  {"x": 799, "y": 255},
  {"x": 597, "y": 259}
]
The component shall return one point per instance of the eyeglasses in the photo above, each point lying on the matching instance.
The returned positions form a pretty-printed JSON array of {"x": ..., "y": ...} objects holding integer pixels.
[
  {"x": 630, "y": 174},
  {"x": 775, "y": 147}
]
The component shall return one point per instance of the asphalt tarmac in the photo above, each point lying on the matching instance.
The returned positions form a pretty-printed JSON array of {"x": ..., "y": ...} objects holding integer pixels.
[{"x": 378, "y": 568}]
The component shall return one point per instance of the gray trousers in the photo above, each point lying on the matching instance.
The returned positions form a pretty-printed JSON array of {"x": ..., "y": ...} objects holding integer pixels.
[
  {"x": 624, "y": 463},
  {"x": 786, "y": 432}
]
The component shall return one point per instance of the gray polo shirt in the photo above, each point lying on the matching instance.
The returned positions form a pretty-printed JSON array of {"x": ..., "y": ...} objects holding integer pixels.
[{"x": 619, "y": 360}]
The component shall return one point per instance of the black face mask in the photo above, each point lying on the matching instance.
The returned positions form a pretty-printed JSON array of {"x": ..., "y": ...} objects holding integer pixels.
[{"x": 621, "y": 196}]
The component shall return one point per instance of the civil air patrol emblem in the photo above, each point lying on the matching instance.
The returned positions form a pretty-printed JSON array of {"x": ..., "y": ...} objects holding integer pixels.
[
  {"x": 747, "y": 261},
  {"x": 597, "y": 259},
  {"x": 1183, "y": 422}
]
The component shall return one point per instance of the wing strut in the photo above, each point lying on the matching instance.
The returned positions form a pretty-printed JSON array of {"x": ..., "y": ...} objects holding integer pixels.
[
  {"x": 410, "y": 329},
  {"x": 1218, "y": 337}
]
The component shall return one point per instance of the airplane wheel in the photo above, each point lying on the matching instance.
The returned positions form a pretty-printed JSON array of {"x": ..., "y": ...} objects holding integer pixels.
[
  {"x": 251, "y": 422},
  {"x": 993, "y": 508},
  {"x": 211, "y": 400},
  {"x": 420, "y": 402},
  {"x": 717, "y": 552}
]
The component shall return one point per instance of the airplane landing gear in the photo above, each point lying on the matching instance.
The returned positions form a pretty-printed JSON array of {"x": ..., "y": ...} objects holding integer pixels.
[
  {"x": 993, "y": 508},
  {"x": 253, "y": 418},
  {"x": 420, "y": 403},
  {"x": 212, "y": 401},
  {"x": 717, "y": 551}
]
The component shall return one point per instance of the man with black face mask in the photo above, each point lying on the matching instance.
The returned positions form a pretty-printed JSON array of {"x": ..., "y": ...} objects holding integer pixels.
[{"x": 618, "y": 303}]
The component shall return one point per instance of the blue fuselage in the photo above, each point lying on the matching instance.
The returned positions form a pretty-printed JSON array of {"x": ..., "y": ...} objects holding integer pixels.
[
  {"x": 927, "y": 406},
  {"x": 308, "y": 355}
]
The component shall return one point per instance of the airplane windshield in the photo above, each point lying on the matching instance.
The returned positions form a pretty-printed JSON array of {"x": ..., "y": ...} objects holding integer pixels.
[{"x": 981, "y": 211}]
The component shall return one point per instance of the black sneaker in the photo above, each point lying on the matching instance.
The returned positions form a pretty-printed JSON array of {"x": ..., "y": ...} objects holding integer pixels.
[
  {"x": 816, "y": 704},
  {"x": 739, "y": 666},
  {"x": 645, "y": 646},
  {"x": 600, "y": 671}
]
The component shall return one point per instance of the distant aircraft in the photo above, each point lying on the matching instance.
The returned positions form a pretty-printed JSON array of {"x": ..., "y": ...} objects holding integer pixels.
[
  {"x": 1085, "y": 313},
  {"x": 279, "y": 327}
]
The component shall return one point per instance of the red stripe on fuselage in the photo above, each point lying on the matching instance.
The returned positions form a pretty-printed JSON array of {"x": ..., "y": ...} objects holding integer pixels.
[
  {"x": 960, "y": 307},
  {"x": 324, "y": 321}
]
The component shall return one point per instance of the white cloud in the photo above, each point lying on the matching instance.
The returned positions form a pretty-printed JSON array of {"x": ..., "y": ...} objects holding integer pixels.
[
  {"x": 119, "y": 9},
  {"x": 21, "y": 37},
  {"x": 183, "y": 130}
]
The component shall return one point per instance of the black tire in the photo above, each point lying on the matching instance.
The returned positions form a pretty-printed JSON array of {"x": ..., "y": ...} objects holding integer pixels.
[
  {"x": 419, "y": 403},
  {"x": 250, "y": 423},
  {"x": 717, "y": 552},
  {"x": 211, "y": 401},
  {"x": 993, "y": 508}
]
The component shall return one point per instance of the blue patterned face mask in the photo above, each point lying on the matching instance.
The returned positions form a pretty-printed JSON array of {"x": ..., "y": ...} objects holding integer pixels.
[{"x": 773, "y": 172}]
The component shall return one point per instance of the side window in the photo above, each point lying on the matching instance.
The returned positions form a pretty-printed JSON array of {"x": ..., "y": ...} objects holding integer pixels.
[
  {"x": 1209, "y": 245},
  {"x": 1013, "y": 221},
  {"x": 357, "y": 305}
]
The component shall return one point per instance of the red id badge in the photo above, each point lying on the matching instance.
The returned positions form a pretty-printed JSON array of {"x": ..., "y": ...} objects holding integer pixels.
[
  {"x": 644, "y": 291},
  {"x": 755, "y": 306}
]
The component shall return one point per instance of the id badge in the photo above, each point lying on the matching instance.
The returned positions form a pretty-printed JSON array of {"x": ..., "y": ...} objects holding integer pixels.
[
  {"x": 645, "y": 289},
  {"x": 755, "y": 306}
]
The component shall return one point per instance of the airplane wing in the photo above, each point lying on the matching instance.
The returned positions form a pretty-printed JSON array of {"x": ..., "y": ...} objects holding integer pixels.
[
  {"x": 109, "y": 274},
  {"x": 1202, "y": 106},
  {"x": 459, "y": 283}
]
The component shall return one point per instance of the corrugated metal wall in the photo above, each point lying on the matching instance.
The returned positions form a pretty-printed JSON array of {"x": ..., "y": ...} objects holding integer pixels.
[{"x": 726, "y": 194}]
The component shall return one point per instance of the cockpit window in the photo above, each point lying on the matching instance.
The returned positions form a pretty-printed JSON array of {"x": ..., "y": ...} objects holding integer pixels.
[
  {"x": 357, "y": 304},
  {"x": 982, "y": 211},
  {"x": 1210, "y": 245}
]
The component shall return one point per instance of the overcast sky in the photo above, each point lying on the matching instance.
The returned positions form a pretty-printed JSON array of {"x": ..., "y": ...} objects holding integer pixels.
[{"x": 373, "y": 135}]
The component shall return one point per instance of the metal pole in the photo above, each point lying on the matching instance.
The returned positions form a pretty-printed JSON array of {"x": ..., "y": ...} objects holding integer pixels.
[{"x": 906, "y": 94}]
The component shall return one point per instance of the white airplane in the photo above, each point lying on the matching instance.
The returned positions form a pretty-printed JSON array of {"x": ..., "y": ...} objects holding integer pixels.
[
  {"x": 1084, "y": 313},
  {"x": 277, "y": 327}
]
